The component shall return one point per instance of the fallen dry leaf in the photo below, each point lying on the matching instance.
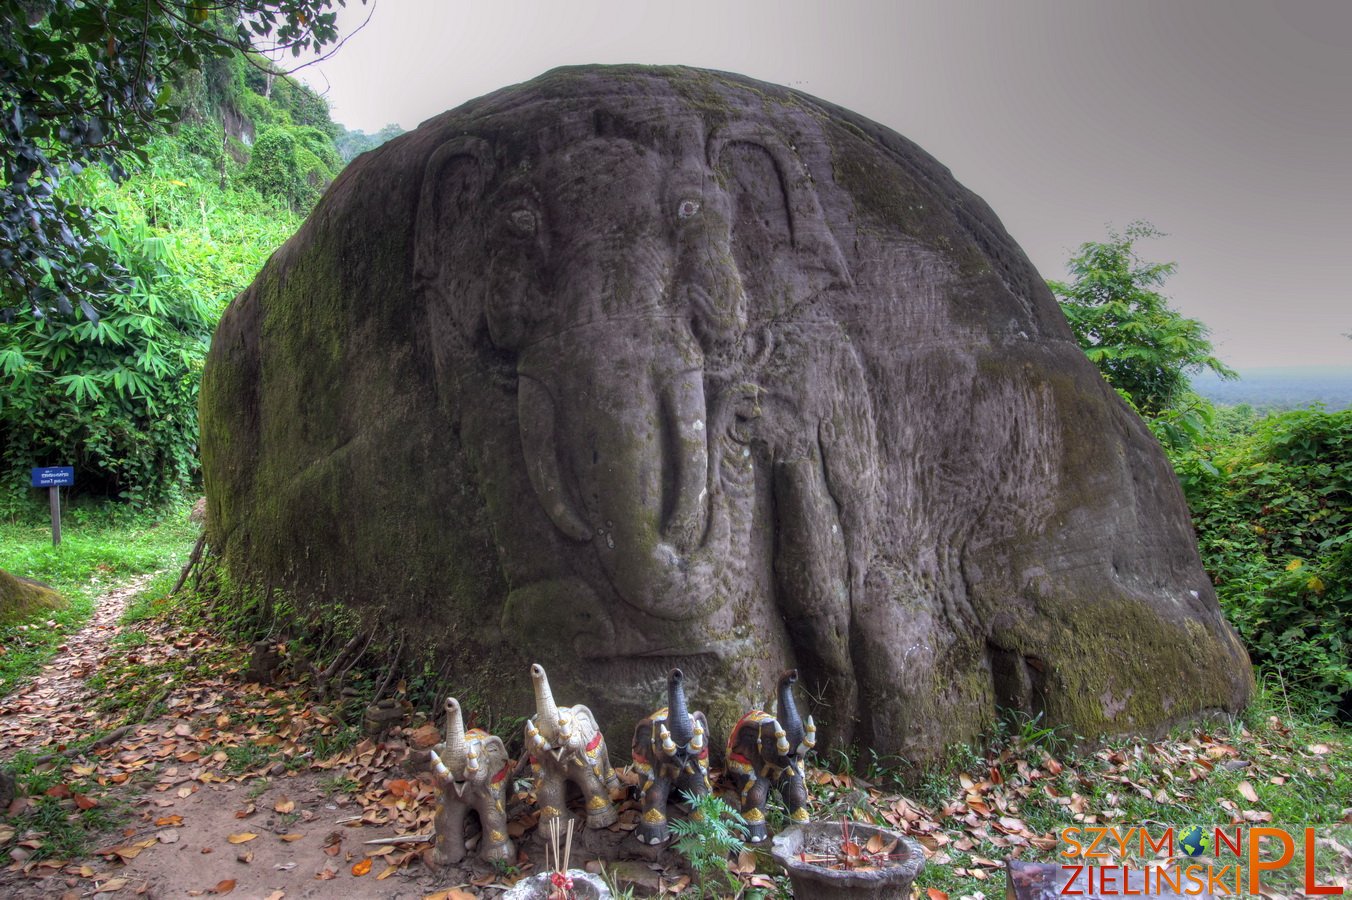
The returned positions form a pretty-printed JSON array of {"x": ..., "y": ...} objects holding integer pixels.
[
  {"x": 242, "y": 837},
  {"x": 425, "y": 736},
  {"x": 293, "y": 836},
  {"x": 224, "y": 886},
  {"x": 1247, "y": 792},
  {"x": 284, "y": 805},
  {"x": 361, "y": 867},
  {"x": 935, "y": 894},
  {"x": 677, "y": 886}
]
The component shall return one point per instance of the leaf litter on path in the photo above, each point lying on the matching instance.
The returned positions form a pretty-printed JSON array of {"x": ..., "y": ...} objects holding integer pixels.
[{"x": 227, "y": 794}]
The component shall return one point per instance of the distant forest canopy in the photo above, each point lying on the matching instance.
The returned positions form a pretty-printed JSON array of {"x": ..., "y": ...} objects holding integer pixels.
[
  {"x": 352, "y": 144},
  {"x": 1280, "y": 388}
]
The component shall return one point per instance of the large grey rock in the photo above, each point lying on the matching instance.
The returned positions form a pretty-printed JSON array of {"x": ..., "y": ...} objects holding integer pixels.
[{"x": 626, "y": 368}]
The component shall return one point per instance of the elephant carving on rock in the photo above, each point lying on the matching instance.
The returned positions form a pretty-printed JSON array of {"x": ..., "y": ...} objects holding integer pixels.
[
  {"x": 662, "y": 377},
  {"x": 566, "y": 747},
  {"x": 671, "y": 751},
  {"x": 765, "y": 751},
  {"x": 472, "y": 768},
  {"x": 701, "y": 372}
]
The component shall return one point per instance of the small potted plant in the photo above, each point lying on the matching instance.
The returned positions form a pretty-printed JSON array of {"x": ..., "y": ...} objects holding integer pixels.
[
  {"x": 560, "y": 882},
  {"x": 848, "y": 861}
]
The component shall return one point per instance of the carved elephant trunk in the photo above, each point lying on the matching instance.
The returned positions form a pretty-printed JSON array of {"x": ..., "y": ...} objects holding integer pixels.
[{"x": 640, "y": 482}]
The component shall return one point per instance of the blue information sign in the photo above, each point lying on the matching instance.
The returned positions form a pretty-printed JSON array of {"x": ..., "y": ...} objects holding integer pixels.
[{"x": 54, "y": 476}]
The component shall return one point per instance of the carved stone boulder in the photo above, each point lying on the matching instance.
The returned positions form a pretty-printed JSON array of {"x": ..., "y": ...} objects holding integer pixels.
[{"x": 631, "y": 368}]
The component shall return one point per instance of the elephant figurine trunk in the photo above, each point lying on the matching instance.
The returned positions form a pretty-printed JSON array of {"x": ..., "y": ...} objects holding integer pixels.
[
  {"x": 454, "y": 747},
  {"x": 678, "y": 717},
  {"x": 546, "y": 711},
  {"x": 800, "y": 737}
]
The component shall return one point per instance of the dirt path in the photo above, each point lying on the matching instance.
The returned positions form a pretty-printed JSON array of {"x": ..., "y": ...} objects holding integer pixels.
[
  {"x": 227, "y": 793},
  {"x": 50, "y": 710}
]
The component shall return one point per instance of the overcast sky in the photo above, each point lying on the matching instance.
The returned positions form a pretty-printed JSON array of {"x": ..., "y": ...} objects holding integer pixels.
[{"x": 1226, "y": 123}]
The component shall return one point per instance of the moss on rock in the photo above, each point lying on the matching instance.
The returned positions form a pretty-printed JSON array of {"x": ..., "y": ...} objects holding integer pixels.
[{"x": 22, "y": 598}]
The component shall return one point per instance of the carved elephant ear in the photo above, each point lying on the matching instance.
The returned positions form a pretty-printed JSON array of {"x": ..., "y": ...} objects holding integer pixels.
[
  {"x": 784, "y": 248},
  {"x": 450, "y": 232}
]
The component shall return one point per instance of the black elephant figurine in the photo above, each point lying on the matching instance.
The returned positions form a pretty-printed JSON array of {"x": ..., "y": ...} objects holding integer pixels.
[
  {"x": 671, "y": 750},
  {"x": 766, "y": 749}
]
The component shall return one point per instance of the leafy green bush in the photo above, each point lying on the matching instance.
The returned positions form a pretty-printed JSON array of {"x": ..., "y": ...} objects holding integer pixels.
[
  {"x": 1272, "y": 504},
  {"x": 294, "y": 164},
  {"x": 712, "y": 833},
  {"x": 115, "y": 395},
  {"x": 1126, "y": 327}
]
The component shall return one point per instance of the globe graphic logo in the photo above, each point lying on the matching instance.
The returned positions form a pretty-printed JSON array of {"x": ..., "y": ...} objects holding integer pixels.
[{"x": 1195, "y": 841}]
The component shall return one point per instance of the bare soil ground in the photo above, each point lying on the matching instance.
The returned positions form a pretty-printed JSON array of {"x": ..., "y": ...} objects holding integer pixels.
[
  {"x": 156, "y": 769},
  {"x": 216, "y": 786}
]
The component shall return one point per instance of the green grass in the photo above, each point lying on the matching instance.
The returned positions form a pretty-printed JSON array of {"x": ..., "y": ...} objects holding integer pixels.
[
  {"x": 339, "y": 784},
  {"x": 101, "y": 547},
  {"x": 246, "y": 758},
  {"x": 62, "y": 829}
]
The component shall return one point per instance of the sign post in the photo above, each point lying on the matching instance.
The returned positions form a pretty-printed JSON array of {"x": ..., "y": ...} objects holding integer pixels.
[{"x": 53, "y": 478}]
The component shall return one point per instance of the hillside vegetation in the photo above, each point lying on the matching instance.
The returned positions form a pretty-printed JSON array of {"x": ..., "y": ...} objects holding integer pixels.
[{"x": 115, "y": 394}]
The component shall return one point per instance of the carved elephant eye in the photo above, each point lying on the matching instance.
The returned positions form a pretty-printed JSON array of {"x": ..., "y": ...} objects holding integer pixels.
[
  {"x": 524, "y": 221},
  {"x": 687, "y": 208}
]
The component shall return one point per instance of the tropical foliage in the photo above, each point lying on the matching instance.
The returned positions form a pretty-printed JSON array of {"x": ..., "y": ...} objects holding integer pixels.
[
  {"x": 114, "y": 392},
  {"x": 88, "y": 83},
  {"x": 1272, "y": 505},
  {"x": 1143, "y": 347},
  {"x": 1271, "y": 497}
]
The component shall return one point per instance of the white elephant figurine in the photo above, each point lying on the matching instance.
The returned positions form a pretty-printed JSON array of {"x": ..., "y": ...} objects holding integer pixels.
[
  {"x": 473, "y": 770},
  {"x": 565, "y": 744}
]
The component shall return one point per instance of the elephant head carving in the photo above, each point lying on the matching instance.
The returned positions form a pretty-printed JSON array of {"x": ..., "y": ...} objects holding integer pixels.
[{"x": 607, "y": 271}]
